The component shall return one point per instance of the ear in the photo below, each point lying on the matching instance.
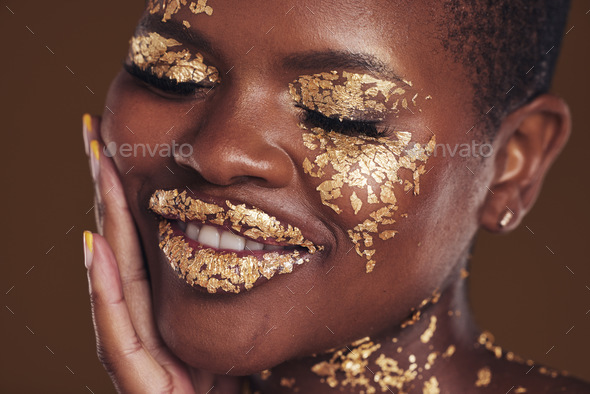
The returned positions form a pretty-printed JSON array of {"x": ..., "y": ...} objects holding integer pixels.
[{"x": 528, "y": 141}]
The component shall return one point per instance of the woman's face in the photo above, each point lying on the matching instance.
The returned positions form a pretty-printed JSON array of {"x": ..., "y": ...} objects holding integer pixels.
[{"x": 272, "y": 116}]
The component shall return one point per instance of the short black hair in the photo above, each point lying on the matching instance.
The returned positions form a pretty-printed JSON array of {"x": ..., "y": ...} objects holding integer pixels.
[{"x": 509, "y": 49}]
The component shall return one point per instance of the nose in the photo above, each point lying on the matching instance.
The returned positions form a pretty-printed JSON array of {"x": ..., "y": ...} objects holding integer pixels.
[{"x": 240, "y": 140}]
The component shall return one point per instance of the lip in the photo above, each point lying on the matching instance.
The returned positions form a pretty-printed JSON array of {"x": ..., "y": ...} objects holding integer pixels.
[{"x": 223, "y": 270}]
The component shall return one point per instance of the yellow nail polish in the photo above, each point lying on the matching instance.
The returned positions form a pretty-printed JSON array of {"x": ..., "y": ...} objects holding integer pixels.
[
  {"x": 88, "y": 241},
  {"x": 87, "y": 119},
  {"x": 95, "y": 149},
  {"x": 88, "y": 249}
]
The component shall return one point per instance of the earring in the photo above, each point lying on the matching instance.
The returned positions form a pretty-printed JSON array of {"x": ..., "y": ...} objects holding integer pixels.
[{"x": 506, "y": 219}]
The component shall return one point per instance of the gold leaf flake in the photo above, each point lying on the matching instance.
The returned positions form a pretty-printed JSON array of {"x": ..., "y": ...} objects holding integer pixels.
[
  {"x": 484, "y": 377},
  {"x": 431, "y": 386},
  {"x": 427, "y": 334},
  {"x": 152, "y": 53},
  {"x": 355, "y": 202}
]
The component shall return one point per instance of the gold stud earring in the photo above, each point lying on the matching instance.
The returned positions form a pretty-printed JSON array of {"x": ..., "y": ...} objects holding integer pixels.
[{"x": 508, "y": 215}]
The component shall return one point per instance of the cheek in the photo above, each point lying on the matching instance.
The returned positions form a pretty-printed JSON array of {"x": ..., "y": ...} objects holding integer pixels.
[
  {"x": 139, "y": 128},
  {"x": 367, "y": 182}
]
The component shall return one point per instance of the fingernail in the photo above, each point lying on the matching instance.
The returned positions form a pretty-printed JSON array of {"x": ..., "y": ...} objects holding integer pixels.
[
  {"x": 88, "y": 248},
  {"x": 86, "y": 129},
  {"x": 94, "y": 158}
]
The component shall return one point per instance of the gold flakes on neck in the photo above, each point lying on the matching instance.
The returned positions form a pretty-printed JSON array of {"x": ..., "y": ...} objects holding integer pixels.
[
  {"x": 484, "y": 377},
  {"x": 449, "y": 352},
  {"x": 152, "y": 53},
  {"x": 350, "y": 368},
  {"x": 431, "y": 386},
  {"x": 352, "y": 363},
  {"x": 429, "y": 332}
]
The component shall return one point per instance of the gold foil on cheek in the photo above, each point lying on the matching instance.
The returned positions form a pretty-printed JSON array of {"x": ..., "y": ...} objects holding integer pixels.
[
  {"x": 353, "y": 161},
  {"x": 348, "y": 95},
  {"x": 152, "y": 53}
]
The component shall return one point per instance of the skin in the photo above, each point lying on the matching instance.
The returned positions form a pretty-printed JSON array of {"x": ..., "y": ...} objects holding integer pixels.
[{"x": 157, "y": 334}]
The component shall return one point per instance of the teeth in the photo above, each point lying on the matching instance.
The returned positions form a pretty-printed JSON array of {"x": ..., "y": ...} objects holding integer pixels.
[
  {"x": 192, "y": 231},
  {"x": 231, "y": 241},
  {"x": 253, "y": 245},
  {"x": 209, "y": 236},
  {"x": 219, "y": 239}
]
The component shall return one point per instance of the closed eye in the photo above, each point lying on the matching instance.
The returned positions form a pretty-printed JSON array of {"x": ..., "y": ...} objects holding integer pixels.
[
  {"x": 165, "y": 84},
  {"x": 347, "y": 127}
]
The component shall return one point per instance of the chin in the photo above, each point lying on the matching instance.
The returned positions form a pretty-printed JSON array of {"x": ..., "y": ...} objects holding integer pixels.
[{"x": 214, "y": 347}]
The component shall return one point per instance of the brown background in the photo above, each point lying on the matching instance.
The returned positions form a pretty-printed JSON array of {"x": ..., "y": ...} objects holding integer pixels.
[{"x": 522, "y": 289}]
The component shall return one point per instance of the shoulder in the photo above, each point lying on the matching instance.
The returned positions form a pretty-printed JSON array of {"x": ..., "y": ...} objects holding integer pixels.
[
  {"x": 517, "y": 376},
  {"x": 499, "y": 371}
]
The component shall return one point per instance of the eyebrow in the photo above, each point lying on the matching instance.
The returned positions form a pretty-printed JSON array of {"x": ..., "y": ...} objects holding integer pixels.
[
  {"x": 323, "y": 60},
  {"x": 175, "y": 29}
]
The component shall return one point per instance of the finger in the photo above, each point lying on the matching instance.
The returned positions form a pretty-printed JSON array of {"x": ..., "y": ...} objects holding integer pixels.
[
  {"x": 118, "y": 227},
  {"x": 119, "y": 348}
]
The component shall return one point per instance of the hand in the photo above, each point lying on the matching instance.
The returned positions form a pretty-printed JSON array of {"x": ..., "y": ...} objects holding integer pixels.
[{"x": 128, "y": 342}]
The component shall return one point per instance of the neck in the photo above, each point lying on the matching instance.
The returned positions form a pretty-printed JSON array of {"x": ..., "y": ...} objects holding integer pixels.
[{"x": 416, "y": 355}]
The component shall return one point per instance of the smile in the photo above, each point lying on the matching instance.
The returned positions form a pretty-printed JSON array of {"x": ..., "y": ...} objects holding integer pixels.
[
  {"x": 218, "y": 238},
  {"x": 225, "y": 248}
]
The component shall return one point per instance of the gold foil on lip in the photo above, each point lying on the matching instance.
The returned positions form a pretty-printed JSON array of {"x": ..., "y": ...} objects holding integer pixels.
[
  {"x": 152, "y": 52},
  {"x": 250, "y": 222},
  {"x": 215, "y": 270}
]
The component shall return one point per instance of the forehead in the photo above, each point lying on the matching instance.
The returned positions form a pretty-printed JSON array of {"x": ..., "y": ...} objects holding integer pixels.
[{"x": 384, "y": 30}]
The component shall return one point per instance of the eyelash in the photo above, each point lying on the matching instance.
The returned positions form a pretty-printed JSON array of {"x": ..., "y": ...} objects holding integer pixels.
[
  {"x": 163, "y": 84},
  {"x": 346, "y": 127}
]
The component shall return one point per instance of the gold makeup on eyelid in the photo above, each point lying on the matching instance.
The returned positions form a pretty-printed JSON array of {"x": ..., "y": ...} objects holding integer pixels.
[
  {"x": 171, "y": 7},
  {"x": 348, "y": 95},
  {"x": 151, "y": 52},
  {"x": 343, "y": 160}
]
